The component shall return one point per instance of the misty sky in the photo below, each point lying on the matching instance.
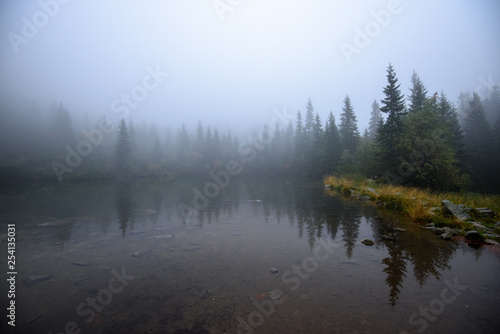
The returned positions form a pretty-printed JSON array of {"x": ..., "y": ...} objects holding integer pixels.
[{"x": 236, "y": 64}]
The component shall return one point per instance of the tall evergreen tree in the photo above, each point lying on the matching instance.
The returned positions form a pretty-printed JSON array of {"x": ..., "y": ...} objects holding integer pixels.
[
  {"x": 132, "y": 137},
  {"x": 418, "y": 94},
  {"x": 217, "y": 145},
  {"x": 349, "y": 133},
  {"x": 315, "y": 149},
  {"x": 123, "y": 148},
  {"x": 63, "y": 132},
  {"x": 183, "y": 145},
  {"x": 463, "y": 106},
  {"x": 376, "y": 120},
  {"x": 389, "y": 133},
  {"x": 168, "y": 146},
  {"x": 309, "y": 124},
  {"x": 299, "y": 142},
  {"x": 288, "y": 145},
  {"x": 478, "y": 141},
  {"x": 331, "y": 147},
  {"x": 492, "y": 105},
  {"x": 496, "y": 152},
  {"x": 199, "y": 137},
  {"x": 156, "y": 152},
  {"x": 449, "y": 116}
]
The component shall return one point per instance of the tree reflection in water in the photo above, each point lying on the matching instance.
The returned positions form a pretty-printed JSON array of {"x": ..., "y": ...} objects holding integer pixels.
[{"x": 314, "y": 214}]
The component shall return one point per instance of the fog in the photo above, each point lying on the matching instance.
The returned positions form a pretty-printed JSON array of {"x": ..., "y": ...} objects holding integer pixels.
[
  {"x": 261, "y": 55},
  {"x": 235, "y": 65}
]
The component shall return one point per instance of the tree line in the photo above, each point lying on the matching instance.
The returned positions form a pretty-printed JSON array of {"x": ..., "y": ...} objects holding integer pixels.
[{"x": 423, "y": 140}]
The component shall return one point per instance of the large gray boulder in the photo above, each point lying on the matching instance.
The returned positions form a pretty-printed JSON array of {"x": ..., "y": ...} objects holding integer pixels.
[{"x": 459, "y": 211}]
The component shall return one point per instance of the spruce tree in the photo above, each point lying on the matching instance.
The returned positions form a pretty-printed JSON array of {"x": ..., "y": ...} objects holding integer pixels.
[
  {"x": 479, "y": 144},
  {"x": 123, "y": 148},
  {"x": 309, "y": 124},
  {"x": 63, "y": 132},
  {"x": 496, "y": 152},
  {"x": 183, "y": 145},
  {"x": 299, "y": 142},
  {"x": 492, "y": 105},
  {"x": 389, "y": 133},
  {"x": 349, "y": 133},
  {"x": 199, "y": 138},
  {"x": 331, "y": 147},
  {"x": 132, "y": 137},
  {"x": 376, "y": 120},
  {"x": 449, "y": 116},
  {"x": 418, "y": 94}
]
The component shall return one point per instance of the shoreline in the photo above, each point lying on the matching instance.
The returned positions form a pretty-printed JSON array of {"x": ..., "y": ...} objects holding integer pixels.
[{"x": 475, "y": 217}]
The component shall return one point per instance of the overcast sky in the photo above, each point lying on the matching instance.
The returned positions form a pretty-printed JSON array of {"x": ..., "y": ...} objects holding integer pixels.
[{"x": 234, "y": 61}]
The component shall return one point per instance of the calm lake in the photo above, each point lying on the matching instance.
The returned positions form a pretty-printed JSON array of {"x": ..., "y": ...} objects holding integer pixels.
[{"x": 259, "y": 256}]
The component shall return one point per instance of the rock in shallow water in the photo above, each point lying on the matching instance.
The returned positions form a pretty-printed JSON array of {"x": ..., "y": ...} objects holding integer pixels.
[
  {"x": 164, "y": 236},
  {"x": 275, "y": 294},
  {"x": 473, "y": 236},
  {"x": 367, "y": 242},
  {"x": 142, "y": 253},
  {"x": 36, "y": 279},
  {"x": 388, "y": 237}
]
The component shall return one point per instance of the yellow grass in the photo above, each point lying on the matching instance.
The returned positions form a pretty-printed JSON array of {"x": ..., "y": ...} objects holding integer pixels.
[{"x": 416, "y": 203}]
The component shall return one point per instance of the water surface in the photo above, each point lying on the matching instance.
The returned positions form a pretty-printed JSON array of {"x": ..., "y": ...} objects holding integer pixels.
[{"x": 260, "y": 255}]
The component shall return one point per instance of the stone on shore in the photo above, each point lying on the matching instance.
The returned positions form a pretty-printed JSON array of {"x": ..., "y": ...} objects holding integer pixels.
[
  {"x": 473, "y": 236},
  {"x": 459, "y": 211}
]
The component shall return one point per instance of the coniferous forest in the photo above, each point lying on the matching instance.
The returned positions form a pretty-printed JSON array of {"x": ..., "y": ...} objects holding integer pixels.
[{"x": 415, "y": 137}]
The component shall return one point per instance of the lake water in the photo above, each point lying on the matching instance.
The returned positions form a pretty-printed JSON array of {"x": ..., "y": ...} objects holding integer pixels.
[{"x": 259, "y": 256}]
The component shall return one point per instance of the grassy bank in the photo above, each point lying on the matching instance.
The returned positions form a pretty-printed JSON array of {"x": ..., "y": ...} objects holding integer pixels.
[{"x": 423, "y": 206}]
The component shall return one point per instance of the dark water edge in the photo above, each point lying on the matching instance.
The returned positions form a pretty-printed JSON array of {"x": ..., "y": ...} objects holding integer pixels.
[{"x": 194, "y": 258}]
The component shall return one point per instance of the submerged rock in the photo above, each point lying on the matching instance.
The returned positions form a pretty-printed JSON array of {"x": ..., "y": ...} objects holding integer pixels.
[
  {"x": 274, "y": 271},
  {"x": 367, "y": 242},
  {"x": 459, "y": 211},
  {"x": 79, "y": 263},
  {"x": 36, "y": 279},
  {"x": 57, "y": 223},
  {"x": 275, "y": 294},
  {"x": 142, "y": 253},
  {"x": 192, "y": 247},
  {"x": 388, "y": 237},
  {"x": 164, "y": 236}
]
